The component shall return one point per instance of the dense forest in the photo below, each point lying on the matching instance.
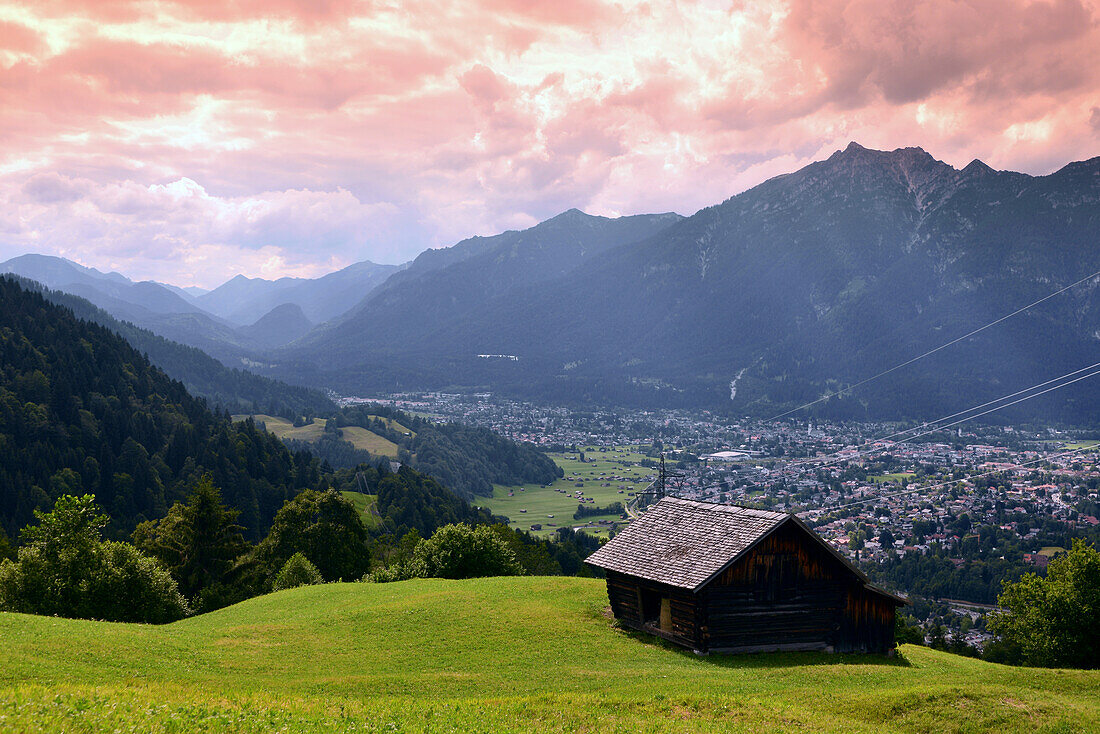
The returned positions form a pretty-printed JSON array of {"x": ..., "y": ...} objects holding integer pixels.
[
  {"x": 81, "y": 410},
  {"x": 235, "y": 390}
]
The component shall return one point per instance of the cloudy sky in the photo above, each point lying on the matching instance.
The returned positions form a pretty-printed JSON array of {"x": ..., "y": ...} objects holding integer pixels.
[{"x": 190, "y": 140}]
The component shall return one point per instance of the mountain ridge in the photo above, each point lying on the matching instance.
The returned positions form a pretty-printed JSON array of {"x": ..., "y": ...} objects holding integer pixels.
[{"x": 821, "y": 276}]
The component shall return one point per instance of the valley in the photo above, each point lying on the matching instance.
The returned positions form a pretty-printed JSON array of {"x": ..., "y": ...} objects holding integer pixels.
[{"x": 585, "y": 367}]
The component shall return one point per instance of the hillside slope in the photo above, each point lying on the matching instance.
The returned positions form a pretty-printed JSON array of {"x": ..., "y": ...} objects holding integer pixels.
[
  {"x": 443, "y": 285},
  {"x": 507, "y": 654},
  {"x": 235, "y": 390},
  {"x": 82, "y": 411}
]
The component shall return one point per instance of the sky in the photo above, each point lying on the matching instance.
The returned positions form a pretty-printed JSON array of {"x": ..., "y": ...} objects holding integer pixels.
[{"x": 190, "y": 140}]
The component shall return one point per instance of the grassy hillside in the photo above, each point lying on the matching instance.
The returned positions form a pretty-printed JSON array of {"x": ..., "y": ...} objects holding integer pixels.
[
  {"x": 360, "y": 438},
  {"x": 486, "y": 655},
  {"x": 367, "y": 507}
]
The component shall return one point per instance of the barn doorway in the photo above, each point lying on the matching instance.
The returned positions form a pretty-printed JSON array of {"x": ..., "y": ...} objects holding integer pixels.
[{"x": 656, "y": 609}]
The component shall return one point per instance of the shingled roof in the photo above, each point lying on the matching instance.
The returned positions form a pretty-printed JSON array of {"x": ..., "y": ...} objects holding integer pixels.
[{"x": 684, "y": 543}]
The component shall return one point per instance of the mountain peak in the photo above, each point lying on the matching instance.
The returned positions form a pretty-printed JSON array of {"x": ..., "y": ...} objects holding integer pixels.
[
  {"x": 570, "y": 215},
  {"x": 976, "y": 168}
]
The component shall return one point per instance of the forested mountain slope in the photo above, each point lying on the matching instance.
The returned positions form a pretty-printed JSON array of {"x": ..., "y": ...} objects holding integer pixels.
[
  {"x": 83, "y": 411},
  {"x": 234, "y": 390},
  {"x": 442, "y": 286}
]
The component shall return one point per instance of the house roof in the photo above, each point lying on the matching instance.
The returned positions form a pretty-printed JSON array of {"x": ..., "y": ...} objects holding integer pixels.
[{"x": 685, "y": 543}]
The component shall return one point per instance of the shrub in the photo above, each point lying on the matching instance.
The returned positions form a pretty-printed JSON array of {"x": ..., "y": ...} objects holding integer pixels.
[
  {"x": 395, "y": 572},
  {"x": 65, "y": 568},
  {"x": 322, "y": 525},
  {"x": 297, "y": 571},
  {"x": 461, "y": 552}
]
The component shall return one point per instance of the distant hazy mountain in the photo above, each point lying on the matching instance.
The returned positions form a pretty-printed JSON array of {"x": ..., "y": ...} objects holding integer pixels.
[
  {"x": 443, "y": 285},
  {"x": 244, "y": 300},
  {"x": 61, "y": 274},
  {"x": 283, "y": 324},
  {"x": 232, "y": 389},
  {"x": 809, "y": 282},
  {"x": 190, "y": 292},
  {"x": 223, "y": 322}
]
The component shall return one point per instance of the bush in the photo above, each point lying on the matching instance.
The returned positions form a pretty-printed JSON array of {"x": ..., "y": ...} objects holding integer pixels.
[
  {"x": 906, "y": 630},
  {"x": 396, "y": 572},
  {"x": 297, "y": 571},
  {"x": 462, "y": 552},
  {"x": 65, "y": 568},
  {"x": 322, "y": 525}
]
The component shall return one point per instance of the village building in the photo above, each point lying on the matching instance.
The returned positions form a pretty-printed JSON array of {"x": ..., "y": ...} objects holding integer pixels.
[{"x": 721, "y": 578}]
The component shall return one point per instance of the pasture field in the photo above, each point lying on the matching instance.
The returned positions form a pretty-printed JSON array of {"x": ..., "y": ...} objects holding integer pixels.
[
  {"x": 361, "y": 438},
  {"x": 395, "y": 426},
  {"x": 488, "y": 655},
  {"x": 895, "y": 477},
  {"x": 602, "y": 476},
  {"x": 365, "y": 506}
]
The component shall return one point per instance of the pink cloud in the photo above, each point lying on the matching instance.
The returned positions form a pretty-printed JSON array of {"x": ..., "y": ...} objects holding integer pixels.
[{"x": 260, "y": 132}]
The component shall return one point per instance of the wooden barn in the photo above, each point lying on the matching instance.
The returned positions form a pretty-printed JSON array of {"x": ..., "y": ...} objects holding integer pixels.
[{"x": 721, "y": 578}]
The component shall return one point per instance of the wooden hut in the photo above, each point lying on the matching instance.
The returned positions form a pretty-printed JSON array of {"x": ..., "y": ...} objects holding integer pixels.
[{"x": 721, "y": 578}]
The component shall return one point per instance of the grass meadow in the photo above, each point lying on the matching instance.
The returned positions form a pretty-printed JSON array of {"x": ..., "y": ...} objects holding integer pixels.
[
  {"x": 605, "y": 477},
  {"x": 361, "y": 438},
  {"x": 487, "y": 655}
]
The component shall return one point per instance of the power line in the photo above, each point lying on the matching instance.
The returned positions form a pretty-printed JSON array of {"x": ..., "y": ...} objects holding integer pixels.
[
  {"x": 936, "y": 428},
  {"x": 932, "y": 351},
  {"x": 826, "y": 460}
]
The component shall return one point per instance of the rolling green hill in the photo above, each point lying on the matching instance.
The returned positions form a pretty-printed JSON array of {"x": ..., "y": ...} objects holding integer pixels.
[{"x": 529, "y": 653}]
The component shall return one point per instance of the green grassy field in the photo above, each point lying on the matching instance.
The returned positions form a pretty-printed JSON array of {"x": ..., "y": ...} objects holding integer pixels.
[
  {"x": 361, "y": 438},
  {"x": 895, "y": 477},
  {"x": 365, "y": 506},
  {"x": 487, "y": 655},
  {"x": 395, "y": 426},
  {"x": 559, "y": 499}
]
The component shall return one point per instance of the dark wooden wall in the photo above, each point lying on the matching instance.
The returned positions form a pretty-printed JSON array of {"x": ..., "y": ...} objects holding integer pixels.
[
  {"x": 787, "y": 593},
  {"x": 867, "y": 624}
]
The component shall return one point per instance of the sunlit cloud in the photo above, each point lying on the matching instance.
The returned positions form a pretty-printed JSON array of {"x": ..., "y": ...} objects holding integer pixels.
[{"x": 190, "y": 140}]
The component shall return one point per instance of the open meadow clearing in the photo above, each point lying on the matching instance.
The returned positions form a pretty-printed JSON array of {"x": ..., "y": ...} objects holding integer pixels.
[
  {"x": 502, "y": 654},
  {"x": 607, "y": 475},
  {"x": 360, "y": 438}
]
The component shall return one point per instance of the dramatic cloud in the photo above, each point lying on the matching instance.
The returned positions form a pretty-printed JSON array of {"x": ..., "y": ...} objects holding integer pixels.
[{"x": 189, "y": 140}]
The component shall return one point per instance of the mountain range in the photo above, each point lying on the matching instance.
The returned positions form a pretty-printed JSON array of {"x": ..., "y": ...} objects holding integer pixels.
[
  {"x": 803, "y": 285},
  {"x": 240, "y": 318},
  {"x": 245, "y": 300}
]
